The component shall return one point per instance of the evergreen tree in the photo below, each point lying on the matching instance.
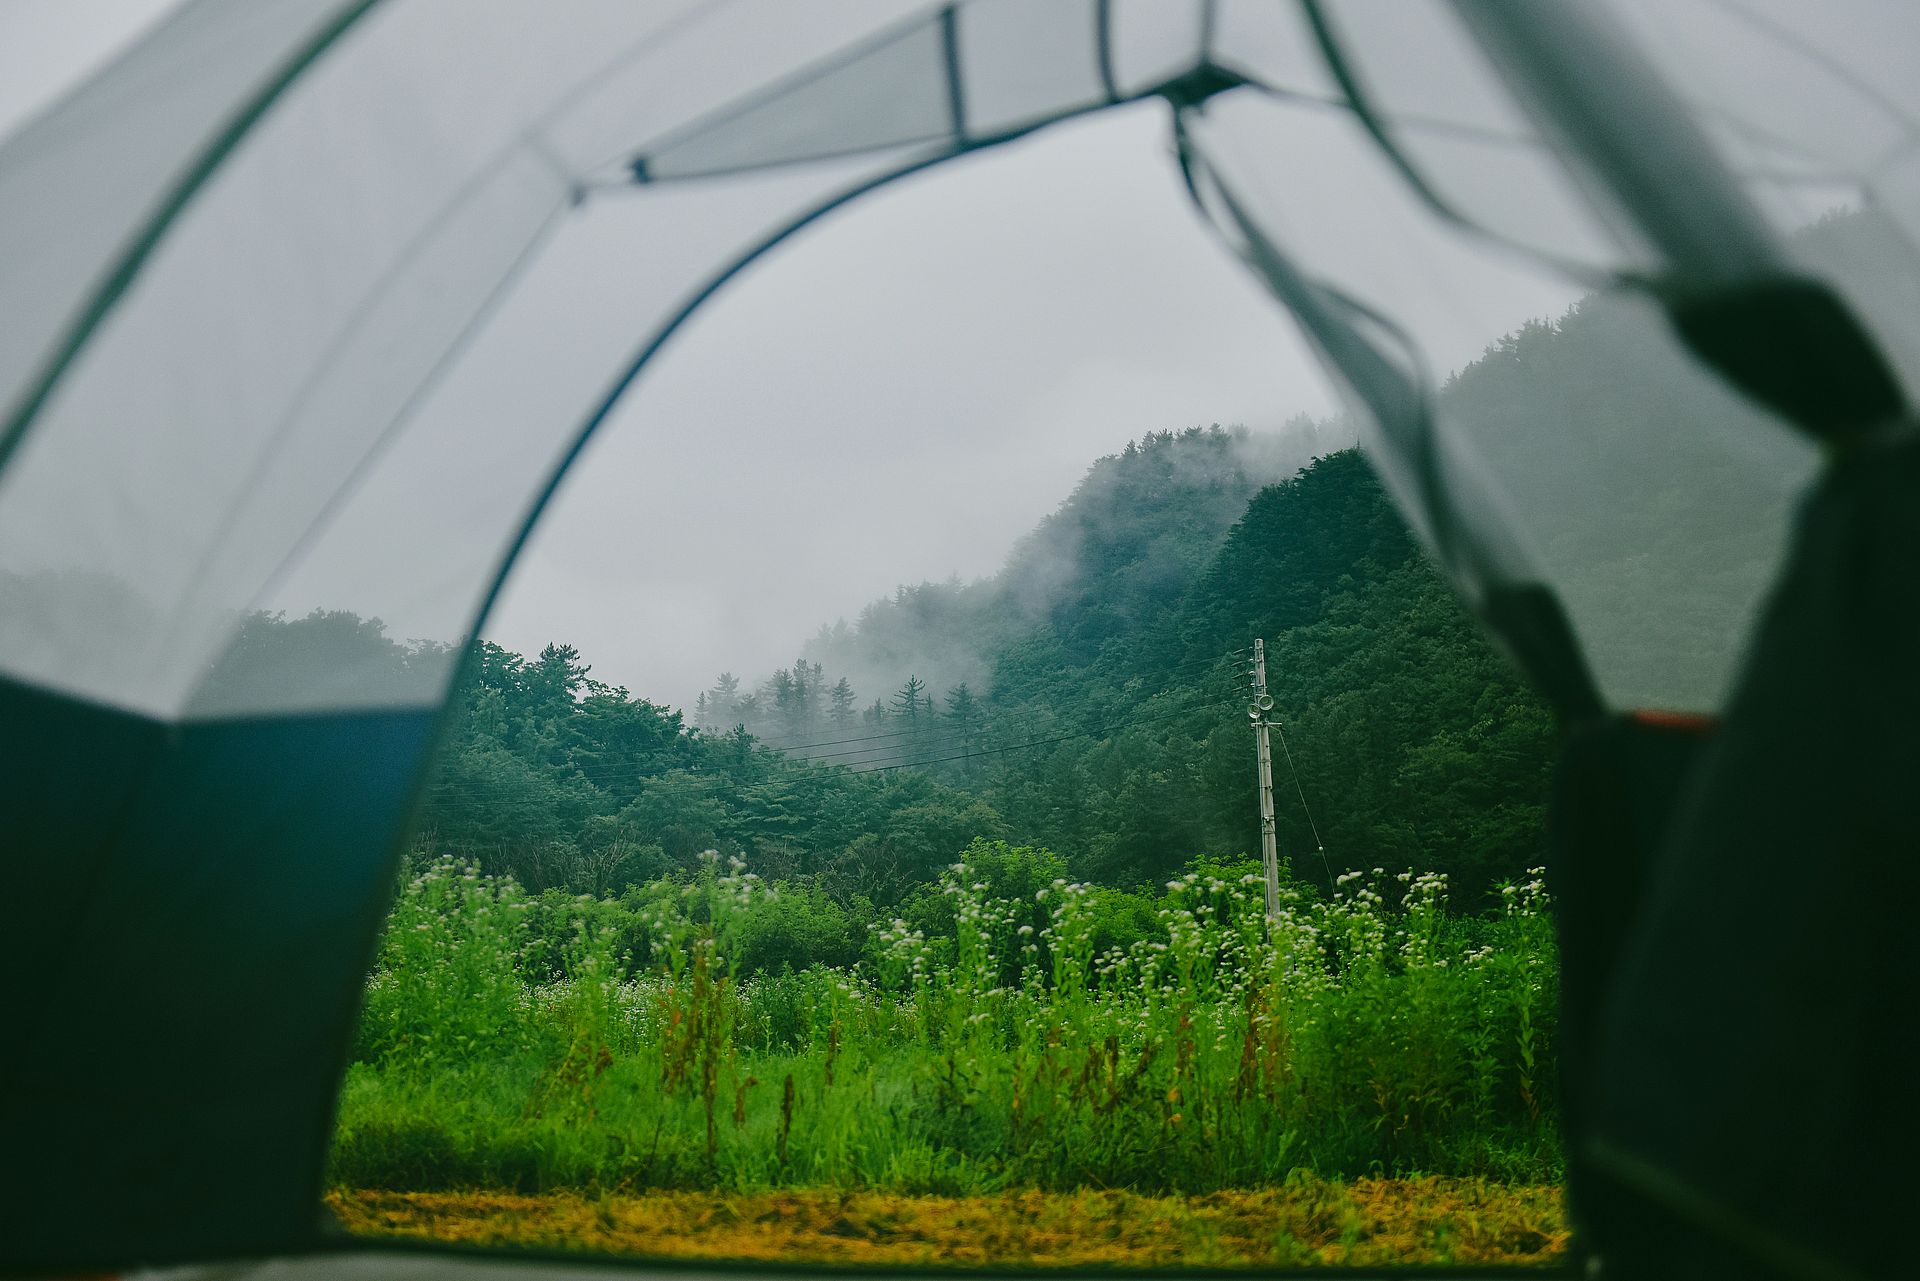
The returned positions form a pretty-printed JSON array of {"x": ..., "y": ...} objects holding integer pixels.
[
  {"x": 722, "y": 702},
  {"x": 961, "y": 716},
  {"x": 910, "y": 702},
  {"x": 841, "y": 700},
  {"x": 781, "y": 697}
]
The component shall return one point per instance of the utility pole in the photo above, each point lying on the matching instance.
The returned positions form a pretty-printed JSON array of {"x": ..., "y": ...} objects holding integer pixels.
[{"x": 1257, "y": 713}]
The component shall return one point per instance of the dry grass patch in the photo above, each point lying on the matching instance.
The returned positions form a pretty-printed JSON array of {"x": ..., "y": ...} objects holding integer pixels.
[{"x": 1307, "y": 1222}]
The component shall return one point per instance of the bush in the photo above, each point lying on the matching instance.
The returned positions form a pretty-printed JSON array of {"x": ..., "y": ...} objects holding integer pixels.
[{"x": 1011, "y": 1029}]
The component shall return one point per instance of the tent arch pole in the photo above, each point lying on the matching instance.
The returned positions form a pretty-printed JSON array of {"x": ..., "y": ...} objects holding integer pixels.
[{"x": 133, "y": 258}]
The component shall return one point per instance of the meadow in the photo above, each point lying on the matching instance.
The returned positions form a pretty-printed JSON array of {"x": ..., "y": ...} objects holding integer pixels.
[{"x": 1018, "y": 1033}]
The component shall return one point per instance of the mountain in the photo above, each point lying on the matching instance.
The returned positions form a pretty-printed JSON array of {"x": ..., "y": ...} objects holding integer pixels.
[{"x": 1099, "y": 705}]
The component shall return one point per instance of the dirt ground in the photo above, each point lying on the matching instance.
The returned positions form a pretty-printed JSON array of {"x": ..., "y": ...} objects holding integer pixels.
[{"x": 1368, "y": 1222}]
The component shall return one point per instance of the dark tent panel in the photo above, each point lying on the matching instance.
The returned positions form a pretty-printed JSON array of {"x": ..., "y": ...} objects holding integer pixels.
[
  {"x": 263, "y": 271},
  {"x": 198, "y": 906}
]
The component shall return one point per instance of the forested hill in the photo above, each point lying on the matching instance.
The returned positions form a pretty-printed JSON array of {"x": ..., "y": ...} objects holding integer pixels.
[
  {"x": 1103, "y": 717},
  {"x": 1133, "y": 534}
]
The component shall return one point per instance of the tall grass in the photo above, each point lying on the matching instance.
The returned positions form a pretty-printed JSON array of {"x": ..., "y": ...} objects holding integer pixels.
[{"x": 617, "y": 1044}]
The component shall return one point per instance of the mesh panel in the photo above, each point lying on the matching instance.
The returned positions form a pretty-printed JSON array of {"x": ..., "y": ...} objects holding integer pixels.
[
  {"x": 289, "y": 391},
  {"x": 1020, "y": 62},
  {"x": 1151, "y": 41},
  {"x": 1817, "y": 108},
  {"x": 888, "y": 95},
  {"x": 1576, "y": 443},
  {"x": 77, "y": 180},
  {"x": 1272, "y": 45},
  {"x": 1447, "y": 112}
]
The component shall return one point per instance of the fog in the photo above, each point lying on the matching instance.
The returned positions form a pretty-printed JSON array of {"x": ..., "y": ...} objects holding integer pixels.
[{"x": 898, "y": 395}]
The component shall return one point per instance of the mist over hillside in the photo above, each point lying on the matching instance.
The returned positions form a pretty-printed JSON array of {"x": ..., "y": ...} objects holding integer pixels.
[
  {"x": 1089, "y": 697},
  {"x": 1132, "y": 536}
]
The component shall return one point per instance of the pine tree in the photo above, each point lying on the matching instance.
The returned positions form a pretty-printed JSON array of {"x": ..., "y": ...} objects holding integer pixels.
[
  {"x": 962, "y": 709},
  {"x": 910, "y": 702},
  {"x": 841, "y": 700},
  {"x": 781, "y": 696},
  {"x": 723, "y": 710}
]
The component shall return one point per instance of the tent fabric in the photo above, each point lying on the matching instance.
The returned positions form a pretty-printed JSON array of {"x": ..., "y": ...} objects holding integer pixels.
[
  {"x": 203, "y": 911},
  {"x": 81, "y": 180},
  {"x": 1479, "y": 180},
  {"x": 415, "y": 170},
  {"x": 1591, "y": 500},
  {"x": 265, "y": 270},
  {"x": 1757, "y": 1043}
]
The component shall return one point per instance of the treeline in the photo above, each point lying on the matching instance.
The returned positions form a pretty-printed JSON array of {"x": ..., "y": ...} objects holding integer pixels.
[
  {"x": 1112, "y": 725},
  {"x": 1134, "y": 533},
  {"x": 565, "y": 782},
  {"x": 1108, "y": 722},
  {"x": 1124, "y": 746},
  {"x": 798, "y": 711}
]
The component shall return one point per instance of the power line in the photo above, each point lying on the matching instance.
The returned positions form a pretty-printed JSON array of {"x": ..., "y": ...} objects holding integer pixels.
[
  {"x": 1044, "y": 742},
  {"x": 796, "y": 746},
  {"x": 912, "y": 753},
  {"x": 528, "y": 801},
  {"x": 1304, "y": 809},
  {"x": 918, "y": 747}
]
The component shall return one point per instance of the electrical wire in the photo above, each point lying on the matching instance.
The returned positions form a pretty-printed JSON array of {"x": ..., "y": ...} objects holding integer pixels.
[
  {"x": 1301, "y": 792},
  {"x": 472, "y": 791},
  {"x": 1044, "y": 742},
  {"x": 792, "y": 745}
]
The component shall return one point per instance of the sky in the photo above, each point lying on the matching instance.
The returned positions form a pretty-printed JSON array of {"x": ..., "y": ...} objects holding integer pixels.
[
  {"x": 898, "y": 395},
  {"x": 895, "y": 394}
]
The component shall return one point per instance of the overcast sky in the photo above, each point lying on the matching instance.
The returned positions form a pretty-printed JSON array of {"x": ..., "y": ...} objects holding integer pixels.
[
  {"x": 901, "y": 391},
  {"x": 994, "y": 326}
]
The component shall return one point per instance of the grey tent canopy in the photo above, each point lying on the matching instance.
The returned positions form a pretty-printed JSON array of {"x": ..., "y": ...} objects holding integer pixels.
[{"x": 261, "y": 270}]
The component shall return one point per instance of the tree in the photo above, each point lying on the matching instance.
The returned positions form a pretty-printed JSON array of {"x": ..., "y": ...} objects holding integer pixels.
[
  {"x": 556, "y": 678},
  {"x": 961, "y": 715},
  {"x": 841, "y": 700},
  {"x": 961, "y": 709},
  {"x": 781, "y": 695},
  {"x": 910, "y": 702},
  {"x": 722, "y": 703}
]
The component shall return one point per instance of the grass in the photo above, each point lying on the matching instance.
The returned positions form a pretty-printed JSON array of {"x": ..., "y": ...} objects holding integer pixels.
[
  {"x": 1307, "y": 1222},
  {"x": 1371, "y": 1079}
]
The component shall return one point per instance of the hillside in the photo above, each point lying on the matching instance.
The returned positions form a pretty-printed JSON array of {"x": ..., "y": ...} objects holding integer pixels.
[{"x": 1100, "y": 711}]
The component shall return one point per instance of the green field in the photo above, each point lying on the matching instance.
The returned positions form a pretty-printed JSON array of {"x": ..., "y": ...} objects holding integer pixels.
[{"x": 1016, "y": 1040}]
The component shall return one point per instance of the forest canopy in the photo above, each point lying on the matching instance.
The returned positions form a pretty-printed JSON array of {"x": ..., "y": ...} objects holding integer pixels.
[{"x": 1098, "y": 713}]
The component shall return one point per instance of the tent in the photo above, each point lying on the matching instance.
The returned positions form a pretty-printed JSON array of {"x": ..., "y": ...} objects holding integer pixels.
[{"x": 256, "y": 270}]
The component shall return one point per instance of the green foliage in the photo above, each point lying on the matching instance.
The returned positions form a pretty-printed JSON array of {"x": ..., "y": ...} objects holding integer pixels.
[
  {"x": 1105, "y": 720},
  {"x": 1373, "y": 1032},
  {"x": 448, "y": 983},
  {"x": 1090, "y": 705}
]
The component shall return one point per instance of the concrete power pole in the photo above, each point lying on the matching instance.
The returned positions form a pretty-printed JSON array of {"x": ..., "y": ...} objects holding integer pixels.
[{"x": 1257, "y": 712}]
